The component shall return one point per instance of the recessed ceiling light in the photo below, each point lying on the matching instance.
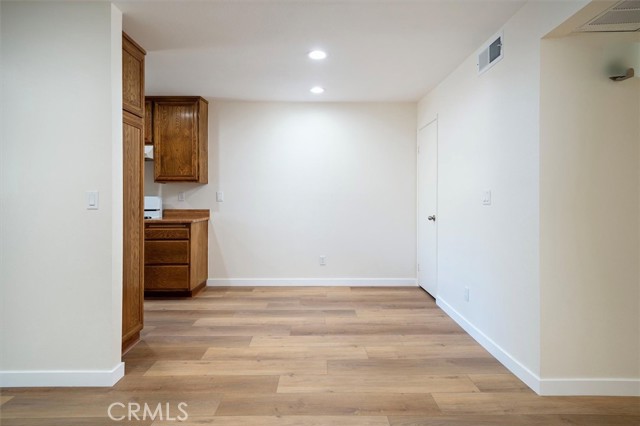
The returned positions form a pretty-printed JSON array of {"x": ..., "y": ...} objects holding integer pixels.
[
  {"x": 317, "y": 55},
  {"x": 317, "y": 90}
]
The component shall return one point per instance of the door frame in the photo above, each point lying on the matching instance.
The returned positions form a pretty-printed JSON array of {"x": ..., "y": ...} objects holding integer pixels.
[{"x": 428, "y": 123}]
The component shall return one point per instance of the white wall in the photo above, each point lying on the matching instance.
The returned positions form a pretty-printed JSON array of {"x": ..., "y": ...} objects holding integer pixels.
[
  {"x": 589, "y": 210},
  {"x": 489, "y": 140},
  {"x": 302, "y": 180},
  {"x": 60, "y": 263}
]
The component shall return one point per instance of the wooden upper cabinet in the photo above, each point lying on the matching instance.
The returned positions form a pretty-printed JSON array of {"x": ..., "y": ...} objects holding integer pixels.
[
  {"x": 132, "y": 76},
  {"x": 180, "y": 139},
  {"x": 148, "y": 122}
]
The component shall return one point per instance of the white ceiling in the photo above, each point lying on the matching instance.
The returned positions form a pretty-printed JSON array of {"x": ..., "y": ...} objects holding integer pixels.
[{"x": 256, "y": 50}]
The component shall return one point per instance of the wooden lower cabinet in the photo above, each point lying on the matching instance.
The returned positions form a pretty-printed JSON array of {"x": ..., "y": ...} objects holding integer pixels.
[{"x": 175, "y": 258}]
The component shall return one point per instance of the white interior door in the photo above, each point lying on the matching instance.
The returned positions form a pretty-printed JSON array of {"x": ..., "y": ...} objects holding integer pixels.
[{"x": 427, "y": 208}]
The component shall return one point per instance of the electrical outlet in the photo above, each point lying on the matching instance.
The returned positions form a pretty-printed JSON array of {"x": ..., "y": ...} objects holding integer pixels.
[
  {"x": 466, "y": 294},
  {"x": 180, "y": 196},
  {"x": 323, "y": 260},
  {"x": 219, "y": 196}
]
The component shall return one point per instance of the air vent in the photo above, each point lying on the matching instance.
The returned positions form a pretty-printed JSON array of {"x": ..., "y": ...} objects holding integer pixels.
[
  {"x": 627, "y": 5},
  {"x": 623, "y": 17},
  {"x": 490, "y": 53}
]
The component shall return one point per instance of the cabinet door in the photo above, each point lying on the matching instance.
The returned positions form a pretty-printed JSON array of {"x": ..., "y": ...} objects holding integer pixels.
[
  {"x": 175, "y": 139},
  {"x": 133, "y": 226},
  {"x": 148, "y": 122},
  {"x": 132, "y": 76},
  {"x": 199, "y": 254},
  {"x": 167, "y": 277},
  {"x": 166, "y": 252}
]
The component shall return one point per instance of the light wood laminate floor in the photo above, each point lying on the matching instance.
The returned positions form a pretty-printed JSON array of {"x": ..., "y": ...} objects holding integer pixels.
[{"x": 334, "y": 356}]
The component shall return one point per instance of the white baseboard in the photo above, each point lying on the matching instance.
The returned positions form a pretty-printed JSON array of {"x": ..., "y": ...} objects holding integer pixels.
[
  {"x": 600, "y": 387},
  {"x": 547, "y": 387},
  {"x": 523, "y": 373},
  {"x": 324, "y": 282},
  {"x": 62, "y": 378}
]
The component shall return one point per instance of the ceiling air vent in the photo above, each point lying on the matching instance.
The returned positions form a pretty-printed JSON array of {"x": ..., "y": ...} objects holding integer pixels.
[
  {"x": 490, "y": 53},
  {"x": 622, "y": 17}
]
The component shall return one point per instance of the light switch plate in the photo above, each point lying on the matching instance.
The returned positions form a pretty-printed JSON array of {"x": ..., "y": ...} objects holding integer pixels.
[
  {"x": 180, "y": 196},
  {"x": 93, "y": 200},
  {"x": 220, "y": 196},
  {"x": 486, "y": 198}
]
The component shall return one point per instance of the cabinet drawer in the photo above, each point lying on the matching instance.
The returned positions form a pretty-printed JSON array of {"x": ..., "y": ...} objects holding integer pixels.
[
  {"x": 166, "y": 277},
  {"x": 166, "y": 233},
  {"x": 166, "y": 252}
]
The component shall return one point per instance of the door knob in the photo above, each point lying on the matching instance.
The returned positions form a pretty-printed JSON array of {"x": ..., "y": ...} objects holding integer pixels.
[{"x": 432, "y": 217}]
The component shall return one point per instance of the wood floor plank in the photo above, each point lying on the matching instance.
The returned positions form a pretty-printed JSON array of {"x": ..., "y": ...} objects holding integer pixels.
[
  {"x": 437, "y": 350},
  {"x": 297, "y": 313},
  {"x": 285, "y": 421},
  {"x": 144, "y": 351},
  {"x": 229, "y": 289},
  {"x": 523, "y": 403},
  {"x": 388, "y": 384},
  {"x": 400, "y": 314},
  {"x": 72, "y": 421},
  {"x": 499, "y": 383},
  {"x": 209, "y": 384},
  {"x": 515, "y": 420},
  {"x": 206, "y": 305},
  {"x": 256, "y": 299},
  {"x": 416, "y": 366},
  {"x": 375, "y": 329},
  {"x": 5, "y": 398},
  {"x": 189, "y": 314},
  {"x": 137, "y": 367},
  {"x": 258, "y": 321},
  {"x": 302, "y": 291},
  {"x": 388, "y": 289},
  {"x": 236, "y": 367},
  {"x": 292, "y": 353},
  {"x": 317, "y": 303},
  {"x": 397, "y": 296},
  {"x": 182, "y": 322},
  {"x": 387, "y": 303},
  {"x": 392, "y": 319},
  {"x": 192, "y": 341},
  {"x": 327, "y": 404},
  {"x": 236, "y": 330},
  {"x": 359, "y": 340}
]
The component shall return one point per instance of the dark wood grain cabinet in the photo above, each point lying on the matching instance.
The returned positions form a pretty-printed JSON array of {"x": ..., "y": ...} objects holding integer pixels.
[
  {"x": 176, "y": 254},
  {"x": 180, "y": 138},
  {"x": 132, "y": 76},
  {"x": 133, "y": 191},
  {"x": 148, "y": 122}
]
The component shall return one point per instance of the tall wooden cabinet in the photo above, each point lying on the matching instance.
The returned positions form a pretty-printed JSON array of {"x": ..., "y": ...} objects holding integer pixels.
[
  {"x": 180, "y": 137},
  {"x": 133, "y": 191}
]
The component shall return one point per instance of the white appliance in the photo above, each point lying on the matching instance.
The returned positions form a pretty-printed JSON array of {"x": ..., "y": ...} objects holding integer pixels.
[
  {"x": 148, "y": 152},
  {"x": 153, "y": 207}
]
